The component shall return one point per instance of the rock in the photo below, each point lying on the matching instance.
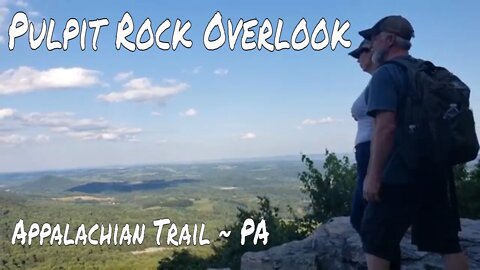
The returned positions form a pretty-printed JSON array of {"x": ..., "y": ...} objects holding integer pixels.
[{"x": 336, "y": 246}]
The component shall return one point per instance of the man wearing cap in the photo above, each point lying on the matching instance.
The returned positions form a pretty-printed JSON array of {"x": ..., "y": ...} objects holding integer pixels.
[{"x": 398, "y": 197}]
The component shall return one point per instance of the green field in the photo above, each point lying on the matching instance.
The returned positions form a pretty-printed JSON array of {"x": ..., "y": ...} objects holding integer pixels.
[{"x": 212, "y": 198}]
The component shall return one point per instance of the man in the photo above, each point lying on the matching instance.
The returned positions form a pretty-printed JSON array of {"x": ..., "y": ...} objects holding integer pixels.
[{"x": 398, "y": 197}]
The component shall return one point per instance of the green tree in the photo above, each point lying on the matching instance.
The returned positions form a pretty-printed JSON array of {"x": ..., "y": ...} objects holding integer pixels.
[
  {"x": 280, "y": 231},
  {"x": 228, "y": 251},
  {"x": 330, "y": 191},
  {"x": 468, "y": 190},
  {"x": 183, "y": 259}
]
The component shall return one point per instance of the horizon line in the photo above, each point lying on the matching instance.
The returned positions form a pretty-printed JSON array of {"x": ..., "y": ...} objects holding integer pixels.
[{"x": 178, "y": 162}]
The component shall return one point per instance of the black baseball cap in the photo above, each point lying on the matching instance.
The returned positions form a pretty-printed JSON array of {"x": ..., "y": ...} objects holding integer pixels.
[
  {"x": 395, "y": 24},
  {"x": 364, "y": 45}
]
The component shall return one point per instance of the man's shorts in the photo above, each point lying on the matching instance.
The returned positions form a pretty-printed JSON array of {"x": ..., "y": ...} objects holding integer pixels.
[{"x": 428, "y": 204}]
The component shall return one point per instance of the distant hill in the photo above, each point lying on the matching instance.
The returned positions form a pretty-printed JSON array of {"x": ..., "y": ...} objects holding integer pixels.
[
  {"x": 46, "y": 184},
  {"x": 9, "y": 199},
  {"x": 317, "y": 157},
  {"x": 22, "y": 177},
  {"x": 98, "y": 187}
]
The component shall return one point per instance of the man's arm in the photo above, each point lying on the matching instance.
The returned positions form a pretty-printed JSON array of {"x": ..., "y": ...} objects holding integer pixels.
[{"x": 381, "y": 148}]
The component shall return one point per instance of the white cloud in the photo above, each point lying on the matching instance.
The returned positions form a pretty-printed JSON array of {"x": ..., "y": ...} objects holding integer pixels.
[
  {"x": 142, "y": 90},
  {"x": 161, "y": 141},
  {"x": 17, "y": 5},
  {"x": 42, "y": 138},
  {"x": 62, "y": 120},
  {"x": 16, "y": 140},
  {"x": 123, "y": 76},
  {"x": 21, "y": 3},
  {"x": 67, "y": 124},
  {"x": 27, "y": 79},
  {"x": 170, "y": 81},
  {"x": 221, "y": 71},
  {"x": 88, "y": 129},
  {"x": 116, "y": 134},
  {"x": 60, "y": 129},
  {"x": 3, "y": 14},
  {"x": 5, "y": 7},
  {"x": 197, "y": 70},
  {"x": 12, "y": 140},
  {"x": 308, "y": 122},
  {"x": 249, "y": 136},
  {"x": 7, "y": 113},
  {"x": 156, "y": 113},
  {"x": 190, "y": 112},
  {"x": 33, "y": 13}
]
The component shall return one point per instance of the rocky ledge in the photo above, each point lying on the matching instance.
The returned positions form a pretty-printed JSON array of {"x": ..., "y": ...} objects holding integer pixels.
[{"x": 336, "y": 246}]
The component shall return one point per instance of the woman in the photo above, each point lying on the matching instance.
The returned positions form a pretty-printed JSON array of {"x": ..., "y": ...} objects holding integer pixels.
[
  {"x": 364, "y": 134},
  {"x": 365, "y": 123}
]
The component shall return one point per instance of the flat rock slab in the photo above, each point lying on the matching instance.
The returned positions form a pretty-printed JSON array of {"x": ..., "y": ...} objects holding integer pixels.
[{"x": 336, "y": 246}]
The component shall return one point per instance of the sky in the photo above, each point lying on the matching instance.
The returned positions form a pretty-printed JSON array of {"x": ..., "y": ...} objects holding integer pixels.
[{"x": 73, "y": 108}]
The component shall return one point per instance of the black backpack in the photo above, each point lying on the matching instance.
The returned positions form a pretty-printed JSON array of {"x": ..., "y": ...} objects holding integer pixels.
[{"x": 436, "y": 122}]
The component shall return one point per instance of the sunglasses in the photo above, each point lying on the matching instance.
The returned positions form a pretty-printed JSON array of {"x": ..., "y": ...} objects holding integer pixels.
[{"x": 365, "y": 50}]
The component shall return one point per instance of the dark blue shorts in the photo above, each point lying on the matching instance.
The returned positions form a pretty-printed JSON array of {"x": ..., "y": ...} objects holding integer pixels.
[
  {"x": 428, "y": 204},
  {"x": 362, "y": 155}
]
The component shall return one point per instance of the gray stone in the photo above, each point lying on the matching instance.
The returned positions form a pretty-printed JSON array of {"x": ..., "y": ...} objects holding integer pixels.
[{"x": 336, "y": 246}]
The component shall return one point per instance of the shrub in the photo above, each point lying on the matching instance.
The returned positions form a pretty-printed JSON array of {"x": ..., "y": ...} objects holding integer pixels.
[
  {"x": 330, "y": 192},
  {"x": 468, "y": 190}
]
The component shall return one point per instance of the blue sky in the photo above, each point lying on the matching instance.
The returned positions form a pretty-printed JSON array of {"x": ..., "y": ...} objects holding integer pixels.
[{"x": 74, "y": 108}]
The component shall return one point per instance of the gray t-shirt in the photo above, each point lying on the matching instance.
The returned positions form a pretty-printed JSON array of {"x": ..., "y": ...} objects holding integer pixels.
[{"x": 387, "y": 90}]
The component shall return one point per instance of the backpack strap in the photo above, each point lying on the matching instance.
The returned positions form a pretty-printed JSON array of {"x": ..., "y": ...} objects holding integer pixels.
[{"x": 411, "y": 66}]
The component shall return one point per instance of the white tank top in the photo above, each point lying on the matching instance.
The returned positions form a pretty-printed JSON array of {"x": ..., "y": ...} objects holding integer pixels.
[{"x": 364, "y": 122}]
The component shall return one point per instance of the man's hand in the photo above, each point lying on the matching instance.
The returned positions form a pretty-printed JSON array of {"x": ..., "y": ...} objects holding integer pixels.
[{"x": 371, "y": 188}]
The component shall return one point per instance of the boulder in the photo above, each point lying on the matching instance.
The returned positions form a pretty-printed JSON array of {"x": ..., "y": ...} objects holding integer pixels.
[{"x": 336, "y": 246}]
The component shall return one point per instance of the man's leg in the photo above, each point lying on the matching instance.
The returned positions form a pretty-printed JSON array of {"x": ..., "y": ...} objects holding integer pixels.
[
  {"x": 396, "y": 263},
  {"x": 455, "y": 261},
  {"x": 384, "y": 224},
  {"x": 377, "y": 263},
  {"x": 374, "y": 262},
  {"x": 437, "y": 225},
  {"x": 438, "y": 233}
]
